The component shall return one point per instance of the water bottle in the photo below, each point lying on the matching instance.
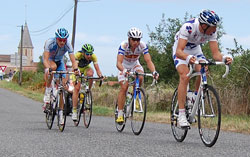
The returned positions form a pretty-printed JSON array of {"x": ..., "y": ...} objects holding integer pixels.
[{"x": 81, "y": 98}]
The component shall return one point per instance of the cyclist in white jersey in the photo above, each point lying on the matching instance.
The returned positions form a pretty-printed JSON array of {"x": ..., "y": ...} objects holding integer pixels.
[
  {"x": 187, "y": 50},
  {"x": 54, "y": 51},
  {"x": 128, "y": 60}
]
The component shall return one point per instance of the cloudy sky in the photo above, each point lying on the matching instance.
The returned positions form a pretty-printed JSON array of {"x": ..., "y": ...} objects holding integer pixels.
[{"x": 104, "y": 23}]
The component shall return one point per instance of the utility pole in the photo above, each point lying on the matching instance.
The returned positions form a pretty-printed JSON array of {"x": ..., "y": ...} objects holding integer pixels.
[
  {"x": 74, "y": 25},
  {"x": 21, "y": 58}
]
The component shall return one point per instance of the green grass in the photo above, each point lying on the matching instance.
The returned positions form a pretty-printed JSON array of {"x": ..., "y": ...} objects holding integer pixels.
[{"x": 234, "y": 123}]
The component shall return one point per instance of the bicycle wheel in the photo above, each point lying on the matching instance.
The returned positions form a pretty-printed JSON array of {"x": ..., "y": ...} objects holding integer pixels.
[
  {"x": 79, "y": 111},
  {"x": 209, "y": 117},
  {"x": 119, "y": 126},
  {"x": 50, "y": 113},
  {"x": 138, "y": 116},
  {"x": 61, "y": 97},
  {"x": 178, "y": 132},
  {"x": 87, "y": 109}
]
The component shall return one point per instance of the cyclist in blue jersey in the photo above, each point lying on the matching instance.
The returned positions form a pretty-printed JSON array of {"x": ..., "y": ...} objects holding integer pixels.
[
  {"x": 54, "y": 51},
  {"x": 187, "y": 50}
]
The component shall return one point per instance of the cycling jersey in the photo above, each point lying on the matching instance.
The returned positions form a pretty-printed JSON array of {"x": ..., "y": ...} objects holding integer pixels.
[
  {"x": 83, "y": 62},
  {"x": 190, "y": 32},
  {"x": 131, "y": 59},
  {"x": 56, "y": 53}
]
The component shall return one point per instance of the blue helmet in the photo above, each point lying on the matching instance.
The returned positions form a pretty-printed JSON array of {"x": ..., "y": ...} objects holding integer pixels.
[
  {"x": 62, "y": 33},
  {"x": 209, "y": 17}
]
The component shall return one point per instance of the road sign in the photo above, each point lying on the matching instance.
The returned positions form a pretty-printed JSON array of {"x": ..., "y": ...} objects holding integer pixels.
[{"x": 3, "y": 67}]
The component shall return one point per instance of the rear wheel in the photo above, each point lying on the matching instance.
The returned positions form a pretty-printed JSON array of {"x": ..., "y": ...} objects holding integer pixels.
[
  {"x": 139, "y": 110},
  {"x": 87, "y": 109},
  {"x": 209, "y": 117},
  {"x": 61, "y": 99},
  {"x": 178, "y": 132},
  {"x": 119, "y": 126}
]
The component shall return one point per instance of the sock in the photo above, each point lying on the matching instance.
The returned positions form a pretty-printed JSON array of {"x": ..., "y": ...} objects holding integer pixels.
[
  {"x": 74, "y": 110},
  {"x": 182, "y": 112},
  {"x": 120, "y": 113}
]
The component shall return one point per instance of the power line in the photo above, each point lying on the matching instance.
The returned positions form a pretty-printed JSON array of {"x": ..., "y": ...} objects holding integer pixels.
[{"x": 44, "y": 30}]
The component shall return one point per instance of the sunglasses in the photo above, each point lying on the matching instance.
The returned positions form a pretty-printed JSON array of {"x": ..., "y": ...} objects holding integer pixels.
[
  {"x": 136, "y": 39},
  {"x": 61, "y": 40},
  {"x": 88, "y": 54}
]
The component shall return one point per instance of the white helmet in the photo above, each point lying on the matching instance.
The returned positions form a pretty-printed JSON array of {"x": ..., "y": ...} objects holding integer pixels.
[{"x": 134, "y": 33}]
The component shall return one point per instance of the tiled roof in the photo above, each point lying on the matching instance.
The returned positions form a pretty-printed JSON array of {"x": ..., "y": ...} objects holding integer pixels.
[{"x": 4, "y": 58}]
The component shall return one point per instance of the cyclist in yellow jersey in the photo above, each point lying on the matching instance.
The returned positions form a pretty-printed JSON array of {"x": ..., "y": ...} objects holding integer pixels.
[{"x": 84, "y": 58}]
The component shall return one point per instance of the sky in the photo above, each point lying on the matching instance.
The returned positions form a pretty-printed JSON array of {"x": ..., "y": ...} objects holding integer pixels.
[{"x": 105, "y": 23}]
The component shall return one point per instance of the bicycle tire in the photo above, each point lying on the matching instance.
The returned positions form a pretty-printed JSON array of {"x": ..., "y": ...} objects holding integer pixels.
[
  {"x": 79, "y": 111},
  {"x": 50, "y": 113},
  {"x": 138, "y": 116},
  {"x": 61, "y": 127},
  {"x": 119, "y": 126},
  {"x": 210, "y": 121},
  {"x": 178, "y": 132},
  {"x": 87, "y": 109}
]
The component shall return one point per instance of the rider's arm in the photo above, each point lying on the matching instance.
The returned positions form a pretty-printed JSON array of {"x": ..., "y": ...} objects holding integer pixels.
[
  {"x": 73, "y": 61},
  {"x": 215, "y": 51},
  {"x": 180, "y": 49},
  {"x": 46, "y": 59},
  {"x": 98, "y": 71},
  {"x": 119, "y": 62},
  {"x": 149, "y": 62}
]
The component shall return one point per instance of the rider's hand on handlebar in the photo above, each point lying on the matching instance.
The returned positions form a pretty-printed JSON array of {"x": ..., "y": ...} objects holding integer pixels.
[
  {"x": 156, "y": 75},
  {"x": 191, "y": 59},
  {"x": 77, "y": 71},
  {"x": 125, "y": 72},
  {"x": 228, "y": 60}
]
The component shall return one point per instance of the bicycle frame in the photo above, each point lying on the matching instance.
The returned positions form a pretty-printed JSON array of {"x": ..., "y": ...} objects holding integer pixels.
[
  {"x": 136, "y": 86},
  {"x": 203, "y": 84}
]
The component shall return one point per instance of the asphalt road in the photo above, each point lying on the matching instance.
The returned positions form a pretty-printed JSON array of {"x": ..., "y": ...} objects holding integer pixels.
[{"x": 23, "y": 132}]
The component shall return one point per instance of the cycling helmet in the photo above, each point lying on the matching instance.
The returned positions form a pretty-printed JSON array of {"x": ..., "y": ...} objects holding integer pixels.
[
  {"x": 209, "y": 17},
  {"x": 62, "y": 33},
  {"x": 88, "y": 48},
  {"x": 134, "y": 33}
]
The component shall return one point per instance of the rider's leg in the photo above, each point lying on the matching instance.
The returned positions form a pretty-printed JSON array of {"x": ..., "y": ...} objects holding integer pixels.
[
  {"x": 48, "y": 80},
  {"x": 121, "y": 96},
  {"x": 182, "y": 92},
  {"x": 90, "y": 73},
  {"x": 75, "y": 98}
]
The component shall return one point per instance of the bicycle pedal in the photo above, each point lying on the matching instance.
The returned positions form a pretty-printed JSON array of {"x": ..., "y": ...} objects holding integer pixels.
[{"x": 185, "y": 127}]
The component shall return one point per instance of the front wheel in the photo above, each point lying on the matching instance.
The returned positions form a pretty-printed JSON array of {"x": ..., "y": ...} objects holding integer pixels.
[
  {"x": 139, "y": 110},
  {"x": 209, "y": 116},
  {"x": 79, "y": 108},
  {"x": 178, "y": 132},
  {"x": 87, "y": 109},
  {"x": 61, "y": 99}
]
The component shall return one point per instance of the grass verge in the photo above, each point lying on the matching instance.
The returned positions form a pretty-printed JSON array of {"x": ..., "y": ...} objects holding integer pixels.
[{"x": 234, "y": 123}]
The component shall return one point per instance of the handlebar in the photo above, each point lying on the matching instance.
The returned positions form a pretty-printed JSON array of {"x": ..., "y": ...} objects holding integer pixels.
[
  {"x": 90, "y": 77},
  {"x": 154, "y": 82},
  {"x": 209, "y": 63}
]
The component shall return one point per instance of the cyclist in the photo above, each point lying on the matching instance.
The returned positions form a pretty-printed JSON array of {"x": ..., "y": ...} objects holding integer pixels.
[
  {"x": 128, "y": 60},
  {"x": 84, "y": 58},
  {"x": 187, "y": 49},
  {"x": 54, "y": 51}
]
